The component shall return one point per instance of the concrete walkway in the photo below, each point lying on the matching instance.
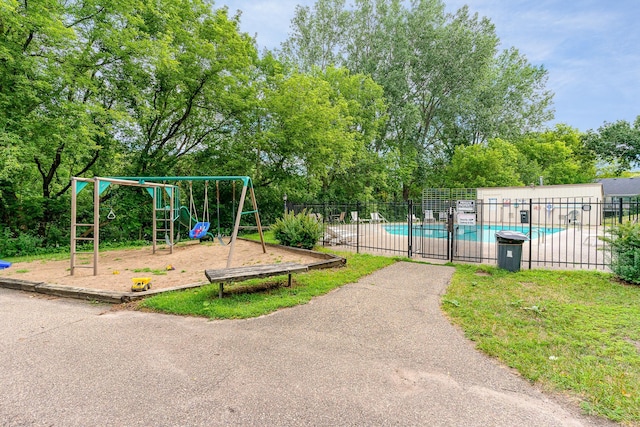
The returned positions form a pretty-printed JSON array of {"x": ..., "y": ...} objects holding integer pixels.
[{"x": 375, "y": 353}]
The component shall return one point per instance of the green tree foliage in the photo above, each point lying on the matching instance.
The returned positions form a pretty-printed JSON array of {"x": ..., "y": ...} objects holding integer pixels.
[
  {"x": 558, "y": 155},
  {"x": 616, "y": 143},
  {"x": 493, "y": 165},
  {"x": 318, "y": 130},
  {"x": 445, "y": 82},
  {"x": 109, "y": 88},
  {"x": 196, "y": 84}
]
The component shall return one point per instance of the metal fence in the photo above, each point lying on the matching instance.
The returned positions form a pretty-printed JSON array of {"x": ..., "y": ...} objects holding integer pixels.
[{"x": 562, "y": 233}]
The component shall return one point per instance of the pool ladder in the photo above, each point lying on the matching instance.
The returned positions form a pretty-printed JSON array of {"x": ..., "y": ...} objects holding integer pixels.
[{"x": 542, "y": 235}]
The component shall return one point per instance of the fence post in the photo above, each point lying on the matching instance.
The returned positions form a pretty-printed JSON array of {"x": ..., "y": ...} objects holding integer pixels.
[
  {"x": 531, "y": 231},
  {"x": 410, "y": 228},
  {"x": 620, "y": 212},
  {"x": 358, "y": 228}
]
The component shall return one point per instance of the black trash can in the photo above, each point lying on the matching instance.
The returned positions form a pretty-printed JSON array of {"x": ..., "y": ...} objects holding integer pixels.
[{"x": 510, "y": 249}]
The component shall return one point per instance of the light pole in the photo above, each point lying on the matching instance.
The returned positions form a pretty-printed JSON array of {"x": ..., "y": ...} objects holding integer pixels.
[{"x": 284, "y": 199}]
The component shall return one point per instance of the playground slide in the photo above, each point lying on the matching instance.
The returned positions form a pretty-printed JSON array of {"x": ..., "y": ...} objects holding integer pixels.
[
  {"x": 4, "y": 264},
  {"x": 185, "y": 219}
]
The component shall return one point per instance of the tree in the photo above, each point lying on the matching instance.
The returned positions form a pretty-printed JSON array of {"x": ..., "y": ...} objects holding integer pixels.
[
  {"x": 319, "y": 124},
  {"x": 493, "y": 165},
  {"x": 195, "y": 83},
  {"x": 617, "y": 143},
  {"x": 557, "y": 155},
  {"x": 109, "y": 87},
  {"x": 445, "y": 82},
  {"x": 49, "y": 70},
  {"x": 309, "y": 47}
]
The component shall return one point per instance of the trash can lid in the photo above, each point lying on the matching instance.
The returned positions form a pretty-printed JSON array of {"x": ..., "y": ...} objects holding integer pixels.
[{"x": 511, "y": 236}]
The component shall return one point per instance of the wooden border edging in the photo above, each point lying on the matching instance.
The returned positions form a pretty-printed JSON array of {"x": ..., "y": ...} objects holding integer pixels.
[{"x": 114, "y": 297}]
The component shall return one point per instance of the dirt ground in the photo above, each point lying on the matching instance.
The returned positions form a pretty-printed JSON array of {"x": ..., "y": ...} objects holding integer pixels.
[{"x": 184, "y": 267}]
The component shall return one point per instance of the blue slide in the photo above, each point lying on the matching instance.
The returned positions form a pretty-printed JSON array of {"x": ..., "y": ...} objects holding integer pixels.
[{"x": 4, "y": 264}]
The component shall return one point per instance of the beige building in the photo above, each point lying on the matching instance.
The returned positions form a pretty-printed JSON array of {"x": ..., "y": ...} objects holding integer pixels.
[{"x": 551, "y": 205}]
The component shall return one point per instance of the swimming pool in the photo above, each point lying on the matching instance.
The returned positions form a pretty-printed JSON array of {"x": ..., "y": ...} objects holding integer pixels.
[{"x": 474, "y": 233}]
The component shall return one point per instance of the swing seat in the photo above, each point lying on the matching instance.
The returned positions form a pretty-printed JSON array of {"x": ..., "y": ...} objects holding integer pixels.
[{"x": 199, "y": 230}]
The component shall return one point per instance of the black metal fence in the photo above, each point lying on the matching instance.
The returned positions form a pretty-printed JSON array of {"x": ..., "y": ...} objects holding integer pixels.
[{"x": 562, "y": 233}]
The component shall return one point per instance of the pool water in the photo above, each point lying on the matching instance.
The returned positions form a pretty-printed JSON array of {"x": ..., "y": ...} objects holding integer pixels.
[{"x": 474, "y": 233}]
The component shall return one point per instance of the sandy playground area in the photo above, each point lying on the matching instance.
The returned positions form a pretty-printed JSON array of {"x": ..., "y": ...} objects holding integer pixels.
[{"x": 184, "y": 267}]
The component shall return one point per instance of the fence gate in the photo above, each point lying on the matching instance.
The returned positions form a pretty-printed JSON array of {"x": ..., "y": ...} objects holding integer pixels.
[{"x": 438, "y": 236}]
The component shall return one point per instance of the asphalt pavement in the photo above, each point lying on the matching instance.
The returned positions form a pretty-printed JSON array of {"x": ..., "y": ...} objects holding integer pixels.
[{"x": 378, "y": 352}]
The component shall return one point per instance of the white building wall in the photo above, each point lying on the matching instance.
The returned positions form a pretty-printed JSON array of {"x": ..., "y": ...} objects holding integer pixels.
[{"x": 546, "y": 204}]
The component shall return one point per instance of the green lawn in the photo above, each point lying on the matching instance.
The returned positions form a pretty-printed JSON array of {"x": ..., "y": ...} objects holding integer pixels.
[
  {"x": 261, "y": 296},
  {"x": 569, "y": 331}
]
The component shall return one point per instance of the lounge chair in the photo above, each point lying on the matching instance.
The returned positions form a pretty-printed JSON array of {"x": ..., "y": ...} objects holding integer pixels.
[
  {"x": 428, "y": 216},
  {"x": 443, "y": 216},
  {"x": 339, "y": 237},
  {"x": 376, "y": 217},
  {"x": 356, "y": 218},
  {"x": 413, "y": 218}
]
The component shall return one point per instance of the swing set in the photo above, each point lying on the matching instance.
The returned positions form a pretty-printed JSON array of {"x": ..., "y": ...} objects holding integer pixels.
[{"x": 167, "y": 210}]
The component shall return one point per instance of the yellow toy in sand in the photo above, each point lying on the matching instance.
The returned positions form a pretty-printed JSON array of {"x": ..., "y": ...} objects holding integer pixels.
[{"x": 141, "y": 284}]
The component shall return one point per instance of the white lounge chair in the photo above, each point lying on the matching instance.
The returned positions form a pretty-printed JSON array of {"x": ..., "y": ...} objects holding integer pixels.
[
  {"x": 443, "y": 216},
  {"x": 413, "y": 218},
  {"x": 376, "y": 217},
  {"x": 356, "y": 218},
  {"x": 337, "y": 236},
  {"x": 428, "y": 216}
]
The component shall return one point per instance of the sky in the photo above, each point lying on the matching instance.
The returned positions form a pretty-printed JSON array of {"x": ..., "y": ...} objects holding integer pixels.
[{"x": 590, "y": 48}]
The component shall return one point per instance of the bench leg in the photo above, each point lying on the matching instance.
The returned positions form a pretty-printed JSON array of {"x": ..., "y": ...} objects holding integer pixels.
[
  {"x": 220, "y": 290},
  {"x": 289, "y": 280}
]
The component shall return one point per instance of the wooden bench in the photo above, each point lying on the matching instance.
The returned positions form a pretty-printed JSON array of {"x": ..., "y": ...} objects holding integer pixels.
[{"x": 239, "y": 274}]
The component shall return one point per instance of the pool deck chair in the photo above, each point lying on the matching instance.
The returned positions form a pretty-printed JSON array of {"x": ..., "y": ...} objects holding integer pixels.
[
  {"x": 414, "y": 219},
  {"x": 443, "y": 216},
  {"x": 335, "y": 236},
  {"x": 376, "y": 217},
  {"x": 356, "y": 218},
  {"x": 428, "y": 216}
]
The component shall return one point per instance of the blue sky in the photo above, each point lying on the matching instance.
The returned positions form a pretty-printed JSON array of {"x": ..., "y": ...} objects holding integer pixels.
[{"x": 590, "y": 48}]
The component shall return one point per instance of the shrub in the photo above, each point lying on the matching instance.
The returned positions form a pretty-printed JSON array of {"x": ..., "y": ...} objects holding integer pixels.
[
  {"x": 300, "y": 231},
  {"x": 625, "y": 251}
]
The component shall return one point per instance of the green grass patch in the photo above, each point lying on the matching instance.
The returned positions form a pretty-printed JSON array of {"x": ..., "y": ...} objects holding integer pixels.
[
  {"x": 570, "y": 331},
  {"x": 243, "y": 302},
  {"x": 269, "y": 237},
  {"x": 60, "y": 256}
]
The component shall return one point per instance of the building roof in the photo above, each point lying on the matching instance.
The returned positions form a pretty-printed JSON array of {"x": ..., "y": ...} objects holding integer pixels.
[{"x": 620, "y": 186}]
